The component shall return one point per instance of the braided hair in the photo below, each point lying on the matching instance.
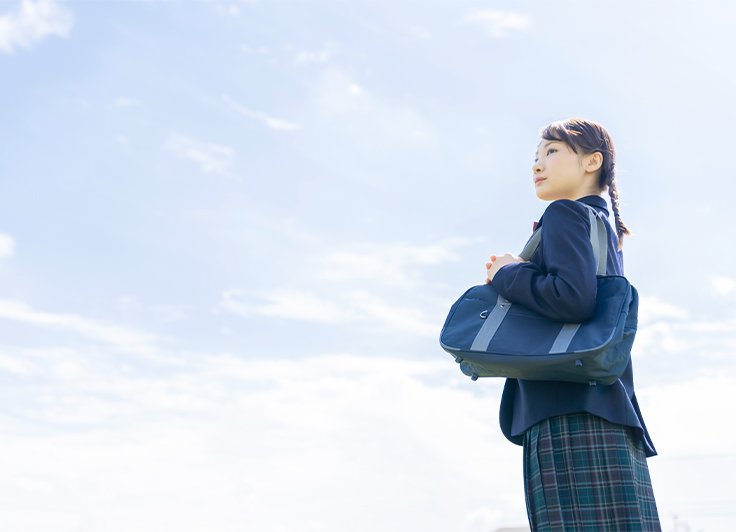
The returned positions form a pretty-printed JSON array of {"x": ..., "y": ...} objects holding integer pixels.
[{"x": 591, "y": 137}]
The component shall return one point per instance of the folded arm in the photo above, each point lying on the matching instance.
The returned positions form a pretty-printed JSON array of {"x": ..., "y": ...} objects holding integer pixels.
[{"x": 562, "y": 286}]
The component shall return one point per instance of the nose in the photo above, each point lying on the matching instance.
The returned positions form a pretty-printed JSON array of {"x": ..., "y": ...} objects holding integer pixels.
[{"x": 537, "y": 168}]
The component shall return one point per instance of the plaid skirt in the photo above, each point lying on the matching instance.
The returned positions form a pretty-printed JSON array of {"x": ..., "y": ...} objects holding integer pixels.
[{"x": 583, "y": 473}]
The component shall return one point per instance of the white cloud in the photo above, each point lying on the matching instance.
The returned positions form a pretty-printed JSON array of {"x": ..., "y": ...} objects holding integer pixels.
[
  {"x": 651, "y": 308},
  {"x": 171, "y": 313},
  {"x": 68, "y": 370},
  {"x": 497, "y": 23},
  {"x": 211, "y": 158},
  {"x": 667, "y": 406},
  {"x": 232, "y": 10},
  {"x": 483, "y": 518},
  {"x": 13, "y": 365},
  {"x": 229, "y": 432},
  {"x": 119, "y": 336},
  {"x": 33, "y": 22},
  {"x": 393, "y": 317},
  {"x": 421, "y": 33},
  {"x": 388, "y": 263},
  {"x": 659, "y": 336},
  {"x": 667, "y": 328},
  {"x": 358, "y": 306},
  {"x": 215, "y": 445},
  {"x": 305, "y": 57},
  {"x": 7, "y": 245},
  {"x": 713, "y": 340},
  {"x": 710, "y": 327},
  {"x": 122, "y": 101},
  {"x": 722, "y": 285},
  {"x": 383, "y": 298},
  {"x": 360, "y": 126},
  {"x": 283, "y": 304},
  {"x": 274, "y": 123}
]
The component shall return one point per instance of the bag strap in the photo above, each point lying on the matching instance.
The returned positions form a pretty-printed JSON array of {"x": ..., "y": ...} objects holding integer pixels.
[{"x": 598, "y": 240}]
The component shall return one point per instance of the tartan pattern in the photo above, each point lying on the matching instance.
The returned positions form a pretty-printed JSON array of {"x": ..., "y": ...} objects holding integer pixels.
[{"x": 583, "y": 473}]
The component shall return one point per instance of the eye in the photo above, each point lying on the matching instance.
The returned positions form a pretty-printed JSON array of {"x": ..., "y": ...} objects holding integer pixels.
[{"x": 550, "y": 150}]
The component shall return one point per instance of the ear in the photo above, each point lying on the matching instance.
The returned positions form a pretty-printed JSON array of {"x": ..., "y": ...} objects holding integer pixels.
[{"x": 593, "y": 161}]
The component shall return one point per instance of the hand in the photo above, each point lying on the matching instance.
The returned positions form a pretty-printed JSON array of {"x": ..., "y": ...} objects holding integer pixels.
[
  {"x": 496, "y": 263},
  {"x": 488, "y": 267}
]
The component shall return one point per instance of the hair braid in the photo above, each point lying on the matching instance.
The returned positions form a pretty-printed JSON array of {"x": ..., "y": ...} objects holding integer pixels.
[{"x": 621, "y": 228}]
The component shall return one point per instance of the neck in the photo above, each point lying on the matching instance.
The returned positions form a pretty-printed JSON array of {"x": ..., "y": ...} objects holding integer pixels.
[{"x": 582, "y": 195}]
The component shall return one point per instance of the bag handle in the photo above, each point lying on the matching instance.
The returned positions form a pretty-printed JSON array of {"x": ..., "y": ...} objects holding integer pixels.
[{"x": 598, "y": 240}]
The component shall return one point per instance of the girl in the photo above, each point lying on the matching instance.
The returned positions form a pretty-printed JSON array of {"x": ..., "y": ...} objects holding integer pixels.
[{"x": 585, "y": 447}]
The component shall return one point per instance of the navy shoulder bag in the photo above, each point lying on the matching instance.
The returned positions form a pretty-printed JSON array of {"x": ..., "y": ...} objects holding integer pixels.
[{"x": 491, "y": 337}]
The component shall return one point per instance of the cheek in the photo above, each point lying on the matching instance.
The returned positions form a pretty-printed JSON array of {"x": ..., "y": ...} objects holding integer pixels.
[{"x": 569, "y": 168}]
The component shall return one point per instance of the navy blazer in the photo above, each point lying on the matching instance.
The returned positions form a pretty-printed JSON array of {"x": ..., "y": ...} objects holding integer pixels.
[{"x": 559, "y": 282}]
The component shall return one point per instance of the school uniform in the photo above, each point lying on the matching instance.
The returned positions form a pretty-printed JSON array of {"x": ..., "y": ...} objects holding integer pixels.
[{"x": 585, "y": 447}]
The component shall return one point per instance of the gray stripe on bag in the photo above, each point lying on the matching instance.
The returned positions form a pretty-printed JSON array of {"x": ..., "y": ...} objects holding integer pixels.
[
  {"x": 491, "y": 325},
  {"x": 598, "y": 239},
  {"x": 562, "y": 342},
  {"x": 531, "y": 245}
]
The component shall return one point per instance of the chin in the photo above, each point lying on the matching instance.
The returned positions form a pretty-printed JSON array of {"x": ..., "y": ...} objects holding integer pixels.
[{"x": 544, "y": 196}]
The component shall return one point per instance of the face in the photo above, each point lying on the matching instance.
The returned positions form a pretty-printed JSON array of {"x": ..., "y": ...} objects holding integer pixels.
[{"x": 560, "y": 173}]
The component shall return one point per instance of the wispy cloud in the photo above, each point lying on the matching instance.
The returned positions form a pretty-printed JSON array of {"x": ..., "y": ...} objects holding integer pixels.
[
  {"x": 274, "y": 123},
  {"x": 499, "y": 23},
  {"x": 671, "y": 329},
  {"x": 421, "y": 33},
  {"x": 32, "y": 22},
  {"x": 117, "y": 335},
  {"x": 393, "y": 317},
  {"x": 331, "y": 427},
  {"x": 122, "y": 101},
  {"x": 14, "y": 365},
  {"x": 249, "y": 51},
  {"x": 7, "y": 245},
  {"x": 305, "y": 57},
  {"x": 232, "y": 10},
  {"x": 388, "y": 263},
  {"x": 722, "y": 285},
  {"x": 211, "y": 158},
  {"x": 667, "y": 404},
  {"x": 357, "y": 306},
  {"x": 283, "y": 304},
  {"x": 362, "y": 126},
  {"x": 652, "y": 308},
  {"x": 367, "y": 285}
]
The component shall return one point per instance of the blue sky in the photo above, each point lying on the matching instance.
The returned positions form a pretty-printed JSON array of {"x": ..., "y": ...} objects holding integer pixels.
[{"x": 230, "y": 233}]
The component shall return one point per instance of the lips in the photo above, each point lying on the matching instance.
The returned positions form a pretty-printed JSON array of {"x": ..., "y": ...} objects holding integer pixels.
[{"x": 538, "y": 179}]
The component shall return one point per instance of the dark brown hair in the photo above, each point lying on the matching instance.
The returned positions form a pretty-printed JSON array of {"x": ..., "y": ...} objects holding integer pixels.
[{"x": 590, "y": 137}]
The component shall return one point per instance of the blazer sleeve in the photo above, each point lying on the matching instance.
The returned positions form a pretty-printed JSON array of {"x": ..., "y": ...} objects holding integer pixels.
[{"x": 562, "y": 286}]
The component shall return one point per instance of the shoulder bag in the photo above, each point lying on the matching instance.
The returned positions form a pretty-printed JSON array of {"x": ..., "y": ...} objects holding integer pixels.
[{"x": 491, "y": 337}]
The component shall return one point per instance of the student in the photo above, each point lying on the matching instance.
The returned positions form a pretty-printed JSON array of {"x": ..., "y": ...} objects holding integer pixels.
[{"x": 585, "y": 447}]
